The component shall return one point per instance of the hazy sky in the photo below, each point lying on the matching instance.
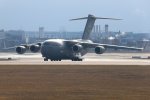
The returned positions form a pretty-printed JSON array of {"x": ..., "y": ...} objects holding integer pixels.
[{"x": 54, "y": 15}]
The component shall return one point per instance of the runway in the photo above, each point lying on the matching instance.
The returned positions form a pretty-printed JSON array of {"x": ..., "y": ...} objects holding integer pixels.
[
  {"x": 112, "y": 76},
  {"x": 89, "y": 59}
]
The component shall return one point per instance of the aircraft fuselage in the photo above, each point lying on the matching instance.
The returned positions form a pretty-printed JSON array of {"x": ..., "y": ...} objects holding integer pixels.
[{"x": 58, "y": 49}]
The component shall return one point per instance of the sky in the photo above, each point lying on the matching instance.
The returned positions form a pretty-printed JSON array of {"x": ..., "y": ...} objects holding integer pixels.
[{"x": 54, "y": 15}]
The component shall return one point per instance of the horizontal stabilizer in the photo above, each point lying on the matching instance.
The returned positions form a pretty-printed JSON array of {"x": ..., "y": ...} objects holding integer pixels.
[
  {"x": 91, "y": 16},
  {"x": 79, "y": 18},
  {"x": 90, "y": 23},
  {"x": 107, "y": 18}
]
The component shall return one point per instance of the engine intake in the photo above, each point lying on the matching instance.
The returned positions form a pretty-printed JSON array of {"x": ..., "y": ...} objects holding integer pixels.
[
  {"x": 21, "y": 49},
  {"x": 35, "y": 48},
  {"x": 99, "y": 50},
  {"x": 77, "y": 48}
]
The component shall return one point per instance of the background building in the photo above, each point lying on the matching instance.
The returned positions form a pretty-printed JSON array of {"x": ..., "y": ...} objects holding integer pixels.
[{"x": 13, "y": 38}]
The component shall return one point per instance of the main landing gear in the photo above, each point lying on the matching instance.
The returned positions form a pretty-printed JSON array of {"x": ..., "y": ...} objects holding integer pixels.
[
  {"x": 46, "y": 59},
  {"x": 73, "y": 59},
  {"x": 55, "y": 59},
  {"x": 77, "y": 59}
]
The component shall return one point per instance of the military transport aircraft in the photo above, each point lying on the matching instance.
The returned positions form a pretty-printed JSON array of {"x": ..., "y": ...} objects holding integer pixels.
[{"x": 60, "y": 49}]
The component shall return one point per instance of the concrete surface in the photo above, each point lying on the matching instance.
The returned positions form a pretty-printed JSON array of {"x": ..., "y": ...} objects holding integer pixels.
[{"x": 91, "y": 58}]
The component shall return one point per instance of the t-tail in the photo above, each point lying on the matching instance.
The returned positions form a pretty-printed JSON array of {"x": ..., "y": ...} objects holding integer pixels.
[{"x": 90, "y": 24}]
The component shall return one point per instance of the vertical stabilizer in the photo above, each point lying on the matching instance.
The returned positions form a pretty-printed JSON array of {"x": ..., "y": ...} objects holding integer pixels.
[{"x": 90, "y": 24}]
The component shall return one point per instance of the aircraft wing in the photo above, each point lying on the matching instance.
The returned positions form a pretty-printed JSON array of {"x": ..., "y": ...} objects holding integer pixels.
[
  {"x": 8, "y": 48},
  {"x": 93, "y": 45},
  {"x": 26, "y": 45},
  {"x": 107, "y": 46},
  {"x": 14, "y": 47}
]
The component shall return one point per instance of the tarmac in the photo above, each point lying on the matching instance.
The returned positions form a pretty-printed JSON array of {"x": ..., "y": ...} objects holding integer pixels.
[{"x": 89, "y": 59}]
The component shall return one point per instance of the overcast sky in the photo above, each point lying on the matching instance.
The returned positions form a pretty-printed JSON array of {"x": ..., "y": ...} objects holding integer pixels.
[{"x": 54, "y": 15}]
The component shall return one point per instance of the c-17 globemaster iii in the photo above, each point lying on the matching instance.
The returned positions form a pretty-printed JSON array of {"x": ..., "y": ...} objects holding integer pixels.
[{"x": 60, "y": 49}]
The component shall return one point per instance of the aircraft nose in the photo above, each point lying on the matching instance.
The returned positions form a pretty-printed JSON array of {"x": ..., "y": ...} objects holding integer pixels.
[
  {"x": 44, "y": 50},
  {"x": 50, "y": 49}
]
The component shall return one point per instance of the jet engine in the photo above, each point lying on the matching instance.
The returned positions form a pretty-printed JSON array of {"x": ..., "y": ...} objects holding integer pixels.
[
  {"x": 35, "y": 48},
  {"x": 77, "y": 48},
  {"x": 99, "y": 50},
  {"x": 21, "y": 49}
]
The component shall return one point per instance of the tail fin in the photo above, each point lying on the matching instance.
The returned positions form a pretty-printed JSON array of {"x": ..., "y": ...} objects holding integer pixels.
[
  {"x": 146, "y": 43},
  {"x": 89, "y": 24}
]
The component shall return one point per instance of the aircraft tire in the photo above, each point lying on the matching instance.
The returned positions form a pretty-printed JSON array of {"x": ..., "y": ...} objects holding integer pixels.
[
  {"x": 45, "y": 59},
  {"x": 77, "y": 59},
  {"x": 55, "y": 59}
]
